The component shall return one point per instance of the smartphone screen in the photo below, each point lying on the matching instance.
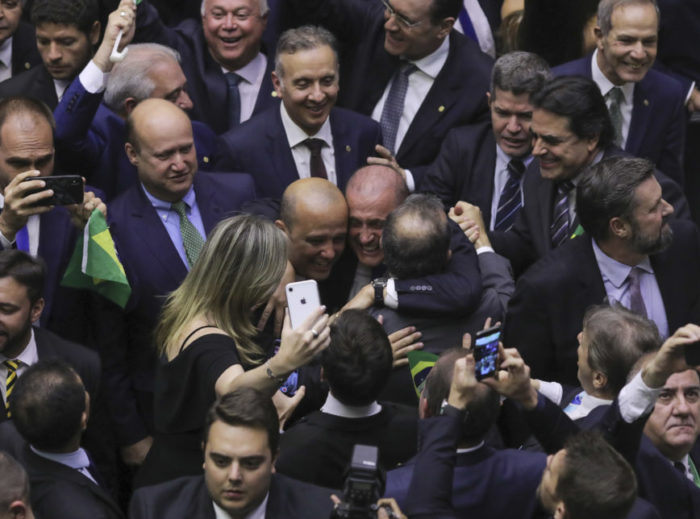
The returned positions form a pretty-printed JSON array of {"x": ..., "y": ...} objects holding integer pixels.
[{"x": 486, "y": 352}]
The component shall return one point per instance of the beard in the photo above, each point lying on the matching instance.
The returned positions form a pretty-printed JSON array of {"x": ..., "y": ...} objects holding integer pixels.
[{"x": 645, "y": 244}]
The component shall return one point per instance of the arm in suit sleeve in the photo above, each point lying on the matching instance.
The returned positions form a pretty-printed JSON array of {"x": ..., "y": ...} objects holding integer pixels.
[
  {"x": 456, "y": 291},
  {"x": 497, "y": 278},
  {"x": 440, "y": 177}
]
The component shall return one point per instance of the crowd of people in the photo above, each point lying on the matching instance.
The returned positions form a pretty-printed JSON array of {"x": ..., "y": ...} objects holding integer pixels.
[{"x": 435, "y": 167}]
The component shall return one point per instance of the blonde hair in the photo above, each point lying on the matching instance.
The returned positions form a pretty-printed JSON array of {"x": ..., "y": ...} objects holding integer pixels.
[{"x": 239, "y": 268}]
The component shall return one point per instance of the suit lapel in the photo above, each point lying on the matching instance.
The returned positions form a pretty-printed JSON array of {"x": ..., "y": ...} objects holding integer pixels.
[
  {"x": 284, "y": 169},
  {"x": 209, "y": 208},
  {"x": 641, "y": 110},
  {"x": 344, "y": 168}
]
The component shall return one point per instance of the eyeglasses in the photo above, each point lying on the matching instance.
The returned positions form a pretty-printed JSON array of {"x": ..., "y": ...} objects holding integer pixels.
[{"x": 400, "y": 19}]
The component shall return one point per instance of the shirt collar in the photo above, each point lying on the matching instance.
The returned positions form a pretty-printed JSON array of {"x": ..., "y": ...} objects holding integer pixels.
[
  {"x": 295, "y": 135},
  {"x": 605, "y": 85},
  {"x": 75, "y": 460},
  {"x": 6, "y": 52},
  {"x": 615, "y": 271},
  {"x": 337, "y": 408},
  {"x": 505, "y": 158},
  {"x": 157, "y": 203},
  {"x": 29, "y": 355},
  {"x": 470, "y": 449},
  {"x": 252, "y": 70},
  {"x": 258, "y": 513},
  {"x": 432, "y": 63}
]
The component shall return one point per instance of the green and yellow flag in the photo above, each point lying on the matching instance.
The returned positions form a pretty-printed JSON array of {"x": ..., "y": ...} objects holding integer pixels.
[
  {"x": 420, "y": 362},
  {"x": 95, "y": 265}
]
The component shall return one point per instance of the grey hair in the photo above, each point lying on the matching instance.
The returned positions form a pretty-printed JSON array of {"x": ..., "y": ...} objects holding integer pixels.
[
  {"x": 262, "y": 7},
  {"x": 129, "y": 78},
  {"x": 607, "y": 7},
  {"x": 520, "y": 72},
  {"x": 306, "y": 37}
]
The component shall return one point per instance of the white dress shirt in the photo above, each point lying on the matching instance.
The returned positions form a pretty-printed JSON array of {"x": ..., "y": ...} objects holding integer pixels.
[
  {"x": 335, "y": 407},
  {"x": 251, "y": 80},
  {"x": 605, "y": 85},
  {"x": 6, "y": 59}
]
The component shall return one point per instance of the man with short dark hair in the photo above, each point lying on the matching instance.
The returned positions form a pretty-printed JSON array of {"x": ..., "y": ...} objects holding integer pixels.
[
  {"x": 66, "y": 32},
  {"x": 239, "y": 481},
  {"x": 646, "y": 106},
  {"x": 356, "y": 366}
]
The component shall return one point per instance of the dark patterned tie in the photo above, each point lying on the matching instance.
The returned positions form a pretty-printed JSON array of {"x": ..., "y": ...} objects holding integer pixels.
[
  {"x": 510, "y": 201},
  {"x": 393, "y": 106},
  {"x": 191, "y": 239},
  {"x": 616, "y": 98},
  {"x": 316, "y": 166},
  {"x": 234, "y": 99},
  {"x": 636, "y": 300},
  {"x": 10, "y": 380},
  {"x": 559, "y": 230}
]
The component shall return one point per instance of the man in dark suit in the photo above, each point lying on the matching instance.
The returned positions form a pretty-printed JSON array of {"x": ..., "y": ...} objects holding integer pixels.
[
  {"x": 18, "y": 50},
  {"x": 147, "y": 231},
  {"x": 403, "y": 43},
  {"x": 66, "y": 32},
  {"x": 50, "y": 408},
  {"x": 629, "y": 254},
  {"x": 228, "y": 77},
  {"x": 240, "y": 448},
  {"x": 356, "y": 366},
  {"x": 306, "y": 135},
  {"x": 90, "y": 134},
  {"x": 646, "y": 106}
]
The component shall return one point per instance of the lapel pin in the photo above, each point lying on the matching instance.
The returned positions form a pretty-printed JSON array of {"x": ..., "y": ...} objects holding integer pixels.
[
  {"x": 27, "y": 65},
  {"x": 274, "y": 93},
  {"x": 205, "y": 159},
  {"x": 646, "y": 102},
  {"x": 348, "y": 148},
  {"x": 441, "y": 108}
]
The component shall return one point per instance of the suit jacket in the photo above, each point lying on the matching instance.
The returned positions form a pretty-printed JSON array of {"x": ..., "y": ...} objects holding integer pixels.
[
  {"x": 657, "y": 128},
  {"x": 318, "y": 448},
  {"x": 90, "y": 141},
  {"x": 547, "y": 309},
  {"x": 678, "y": 22},
  {"x": 154, "y": 269},
  {"x": 188, "y": 497},
  {"x": 260, "y": 147},
  {"x": 24, "y": 52},
  {"x": 35, "y": 82},
  {"x": 529, "y": 238},
  {"x": 458, "y": 94},
  {"x": 206, "y": 84}
]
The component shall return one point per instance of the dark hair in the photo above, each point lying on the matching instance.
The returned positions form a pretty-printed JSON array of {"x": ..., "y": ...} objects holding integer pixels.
[
  {"x": 306, "y": 37},
  {"x": 607, "y": 190},
  {"x": 595, "y": 481},
  {"x": 617, "y": 338},
  {"x": 358, "y": 361},
  {"x": 482, "y": 409},
  {"x": 14, "y": 483},
  {"x": 25, "y": 106},
  {"x": 607, "y": 7},
  {"x": 579, "y": 100},
  {"x": 26, "y": 270},
  {"x": 246, "y": 407},
  {"x": 441, "y": 9},
  {"x": 519, "y": 72},
  {"x": 416, "y": 237},
  {"x": 79, "y": 13},
  {"x": 47, "y": 404}
]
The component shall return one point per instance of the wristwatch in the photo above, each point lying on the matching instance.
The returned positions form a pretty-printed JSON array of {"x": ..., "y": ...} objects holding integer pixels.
[{"x": 379, "y": 285}]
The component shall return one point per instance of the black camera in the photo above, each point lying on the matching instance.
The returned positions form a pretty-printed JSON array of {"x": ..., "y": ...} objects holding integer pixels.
[{"x": 364, "y": 485}]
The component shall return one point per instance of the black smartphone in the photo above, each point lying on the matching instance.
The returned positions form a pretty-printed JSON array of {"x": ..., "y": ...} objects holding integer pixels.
[
  {"x": 67, "y": 189},
  {"x": 486, "y": 351},
  {"x": 692, "y": 354}
]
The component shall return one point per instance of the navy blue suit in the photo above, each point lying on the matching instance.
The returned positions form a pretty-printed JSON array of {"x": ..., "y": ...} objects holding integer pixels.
[
  {"x": 24, "y": 52},
  {"x": 154, "y": 269},
  {"x": 36, "y": 83},
  {"x": 206, "y": 83},
  {"x": 657, "y": 128},
  {"x": 90, "y": 141},
  {"x": 458, "y": 94},
  {"x": 260, "y": 147}
]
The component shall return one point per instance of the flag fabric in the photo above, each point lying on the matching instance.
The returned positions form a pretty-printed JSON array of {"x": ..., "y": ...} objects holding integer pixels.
[
  {"x": 420, "y": 362},
  {"x": 95, "y": 265}
]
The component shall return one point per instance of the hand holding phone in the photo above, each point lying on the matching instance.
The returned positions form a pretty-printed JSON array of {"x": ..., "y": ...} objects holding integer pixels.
[
  {"x": 486, "y": 351},
  {"x": 302, "y": 299},
  {"x": 67, "y": 190}
]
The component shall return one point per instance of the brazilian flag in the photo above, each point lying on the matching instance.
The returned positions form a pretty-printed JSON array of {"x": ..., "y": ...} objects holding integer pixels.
[
  {"x": 95, "y": 265},
  {"x": 420, "y": 362}
]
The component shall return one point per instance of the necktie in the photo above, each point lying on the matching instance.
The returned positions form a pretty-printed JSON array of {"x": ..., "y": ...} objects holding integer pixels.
[
  {"x": 316, "y": 166},
  {"x": 234, "y": 99},
  {"x": 393, "y": 106},
  {"x": 559, "y": 230},
  {"x": 10, "y": 380},
  {"x": 510, "y": 201},
  {"x": 191, "y": 239},
  {"x": 636, "y": 301},
  {"x": 22, "y": 239},
  {"x": 616, "y": 98}
]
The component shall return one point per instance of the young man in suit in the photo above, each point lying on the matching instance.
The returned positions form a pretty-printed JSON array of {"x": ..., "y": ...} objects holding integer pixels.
[
  {"x": 240, "y": 449},
  {"x": 306, "y": 136}
]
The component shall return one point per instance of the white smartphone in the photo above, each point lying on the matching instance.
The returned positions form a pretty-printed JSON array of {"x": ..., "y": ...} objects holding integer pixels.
[{"x": 302, "y": 299}]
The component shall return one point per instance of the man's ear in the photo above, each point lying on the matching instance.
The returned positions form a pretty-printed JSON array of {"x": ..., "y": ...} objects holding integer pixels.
[
  {"x": 37, "y": 309},
  {"x": 94, "y": 34},
  {"x": 620, "y": 228},
  {"x": 18, "y": 510},
  {"x": 445, "y": 27},
  {"x": 599, "y": 380},
  {"x": 560, "y": 511},
  {"x": 277, "y": 84},
  {"x": 129, "y": 104},
  {"x": 280, "y": 225},
  {"x": 423, "y": 408},
  {"x": 449, "y": 255},
  {"x": 274, "y": 460},
  {"x": 131, "y": 154}
]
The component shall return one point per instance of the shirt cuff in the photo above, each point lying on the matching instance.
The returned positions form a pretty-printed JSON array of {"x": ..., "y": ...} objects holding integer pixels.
[
  {"x": 552, "y": 391},
  {"x": 6, "y": 244},
  {"x": 690, "y": 93},
  {"x": 93, "y": 79},
  {"x": 392, "y": 297},
  {"x": 636, "y": 399},
  {"x": 484, "y": 249},
  {"x": 410, "y": 182}
]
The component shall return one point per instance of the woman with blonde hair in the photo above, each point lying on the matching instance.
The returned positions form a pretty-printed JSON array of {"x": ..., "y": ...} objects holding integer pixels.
[{"x": 206, "y": 340}]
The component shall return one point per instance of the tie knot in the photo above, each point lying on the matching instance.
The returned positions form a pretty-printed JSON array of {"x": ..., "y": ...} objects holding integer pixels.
[
  {"x": 516, "y": 167},
  {"x": 680, "y": 467},
  {"x": 635, "y": 274},
  {"x": 407, "y": 69},
  {"x": 565, "y": 187},
  {"x": 232, "y": 79},
  {"x": 615, "y": 95},
  {"x": 314, "y": 146},
  {"x": 180, "y": 207},
  {"x": 12, "y": 365}
]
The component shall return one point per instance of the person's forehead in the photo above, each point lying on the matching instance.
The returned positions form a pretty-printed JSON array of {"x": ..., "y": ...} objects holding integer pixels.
[
  {"x": 237, "y": 440},
  {"x": 58, "y": 30},
  {"x": 26, "y": 131},
  {"x": 231, "y": 5},
  {"x": 368, "y": 205},
  {"x": 319, "y": 59},
  {"x": 684, "y": 380},
  {"x": 413, "y": 9},
  {"x": 628, "y": 13},
  {"x": 545, "y": 122}
]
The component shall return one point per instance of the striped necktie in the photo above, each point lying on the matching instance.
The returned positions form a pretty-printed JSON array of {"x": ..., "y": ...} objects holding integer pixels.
[
  {"x": 10, "y": 380},
  {"x": 192, "y": 241},
  {"x": 559, "y": 230},
  {"x": 510, "y": 201}
]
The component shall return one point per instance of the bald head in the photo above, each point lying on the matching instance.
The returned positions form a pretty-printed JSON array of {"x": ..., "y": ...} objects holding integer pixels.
[
  {"x": 315, "y": 217},
  {"x": 161, "y": 147},
  {"x": 373, "y": 181}
]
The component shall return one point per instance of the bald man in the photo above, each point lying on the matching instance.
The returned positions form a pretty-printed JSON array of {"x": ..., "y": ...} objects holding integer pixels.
[{"x": 159, "y": 226}]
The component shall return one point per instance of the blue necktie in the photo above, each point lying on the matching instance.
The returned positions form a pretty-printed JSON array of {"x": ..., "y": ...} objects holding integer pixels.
[
  {"x": 510, "y": 201},
  {"x": 22, "y": 239},
  {"x": 393, "y": 106},
  {"x": 559, "y": 230},
  {"x": 234, "y": 99}
]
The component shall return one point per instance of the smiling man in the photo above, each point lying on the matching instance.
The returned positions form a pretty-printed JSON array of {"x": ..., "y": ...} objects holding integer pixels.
[
  {"x": 239, "y": 481},
  {"x": 306, "y": 136},
  {"x": 646, "y": 106}
]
